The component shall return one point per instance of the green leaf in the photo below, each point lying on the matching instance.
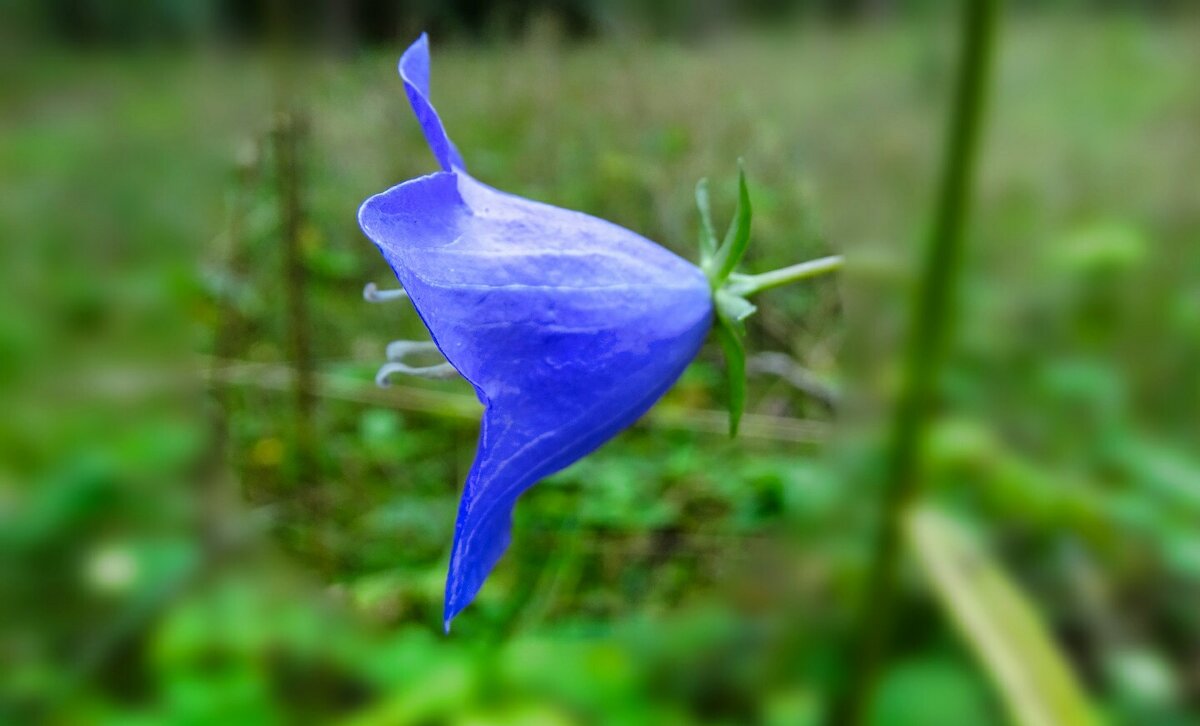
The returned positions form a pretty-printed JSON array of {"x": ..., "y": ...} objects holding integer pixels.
[
  {"x": 999, "y": 623},
  {"x": 738, "y": 237},
  {"x": 735, "y": 364},
  {"x": 708, "y": 234}
]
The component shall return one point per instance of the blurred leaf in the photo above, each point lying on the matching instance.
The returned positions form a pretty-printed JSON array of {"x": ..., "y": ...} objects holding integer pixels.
[
  {"x": 442, "y": 688},
  {"x": 1000, "y": 624},
  {"x": 1142, "y": 677},
  {"x": 335, "y": 264},
  {"x": 1162, "y": 470},
  {"x": 932, "y": 690},
  {"x": 1112, "y": 245}
]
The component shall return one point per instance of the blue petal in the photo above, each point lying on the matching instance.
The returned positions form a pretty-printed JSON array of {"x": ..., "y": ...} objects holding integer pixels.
[
  {"x": 414, "y": 71},
  {"x": 569, "y": 327}
]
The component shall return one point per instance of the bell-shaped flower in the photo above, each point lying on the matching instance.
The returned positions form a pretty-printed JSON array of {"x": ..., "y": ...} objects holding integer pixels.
[{"x": 569, "y": 327}]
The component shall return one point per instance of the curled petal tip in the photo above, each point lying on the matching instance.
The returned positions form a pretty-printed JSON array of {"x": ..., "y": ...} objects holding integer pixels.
[
  {"x": 414, "y": 71},
  {"x": 414, "y": 65}
]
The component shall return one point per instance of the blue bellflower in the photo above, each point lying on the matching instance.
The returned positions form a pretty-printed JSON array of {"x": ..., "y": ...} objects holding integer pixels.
[{"x": 569, "y": 327}]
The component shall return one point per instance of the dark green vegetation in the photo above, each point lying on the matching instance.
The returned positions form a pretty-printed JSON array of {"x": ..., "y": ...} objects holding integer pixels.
[{"x": 170, "y": 555}]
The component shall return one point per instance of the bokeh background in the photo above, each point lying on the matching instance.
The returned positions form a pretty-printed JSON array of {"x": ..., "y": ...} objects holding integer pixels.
[{"x": 209, "y": 514}]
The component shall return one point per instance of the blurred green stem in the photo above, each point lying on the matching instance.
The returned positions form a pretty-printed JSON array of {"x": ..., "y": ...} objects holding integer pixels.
[
  {"x": 746, "y": 285},
  {"x": 929, "y": 332}
]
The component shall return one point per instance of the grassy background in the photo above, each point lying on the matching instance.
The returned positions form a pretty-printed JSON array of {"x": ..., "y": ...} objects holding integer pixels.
[{"x": 164, "y": 560}]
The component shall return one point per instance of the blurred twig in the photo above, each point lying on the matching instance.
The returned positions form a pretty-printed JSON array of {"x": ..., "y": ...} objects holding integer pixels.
[
  {"x": 287, "y": 134},
  {"x": 796, "y": 375},
  {"x": 280, "y": 377},
  {"x": 456, "y": 405}
]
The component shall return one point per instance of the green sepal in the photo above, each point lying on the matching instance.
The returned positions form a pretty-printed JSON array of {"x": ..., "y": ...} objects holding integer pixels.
[
  {"x": 735, "y": 365},
  {"x": 732, "y": 312},
  {"x": 733, "y": 309},
  {"x": 737, "y": 238},
  {"x": 718, "y": 262},
  {"x": 730, "y": 289},
  {"x": 708, "y": 233}
]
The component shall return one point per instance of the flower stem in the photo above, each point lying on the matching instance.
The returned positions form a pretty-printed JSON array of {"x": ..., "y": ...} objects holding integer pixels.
[
  {"x": 746, "y": 285},
  {"x": 923, "y": 359}
]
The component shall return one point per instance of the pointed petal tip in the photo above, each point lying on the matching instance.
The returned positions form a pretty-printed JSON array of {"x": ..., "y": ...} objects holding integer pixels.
[
  {"x": 414, "y": 60},
  {"x": 450, "y": 612},
  {"x": 414, "y": 71}
]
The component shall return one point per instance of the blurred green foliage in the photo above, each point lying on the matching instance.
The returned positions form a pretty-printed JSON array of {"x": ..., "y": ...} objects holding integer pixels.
[{"x": 160, "y": 562}]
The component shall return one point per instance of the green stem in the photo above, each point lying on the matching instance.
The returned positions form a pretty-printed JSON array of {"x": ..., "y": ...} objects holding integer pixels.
[
  {"x": 924, "y": 355},
  {"x": 746, "y": 285}
]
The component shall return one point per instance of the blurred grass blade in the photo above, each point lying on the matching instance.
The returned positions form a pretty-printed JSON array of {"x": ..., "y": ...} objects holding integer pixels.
[
  {"x": 708, "y": 234},
  {"x": 1000, "y": 624},
  {"x": 738, "y": 237}
]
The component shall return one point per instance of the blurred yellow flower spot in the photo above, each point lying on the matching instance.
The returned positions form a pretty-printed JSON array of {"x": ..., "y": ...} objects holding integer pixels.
[{"x": 267, "y": 452}]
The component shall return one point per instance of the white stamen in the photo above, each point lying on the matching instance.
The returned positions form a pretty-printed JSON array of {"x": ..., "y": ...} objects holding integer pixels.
[
  {"x": 441, "y": 370},
  {"x": 397, "y": 350},
  {"x": 372, "y": 294}
]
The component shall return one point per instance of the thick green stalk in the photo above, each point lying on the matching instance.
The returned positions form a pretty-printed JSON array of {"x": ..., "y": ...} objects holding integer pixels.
[{"x": 929, "y": 333}]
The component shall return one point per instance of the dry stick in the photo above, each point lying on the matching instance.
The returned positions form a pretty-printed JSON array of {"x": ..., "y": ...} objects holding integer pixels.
[
  {"x": 924, "y": 355},
  {"x": 795, "y": 375},
  {"x": 287, "y": 135},
  {"x": 289, "y": 131}
]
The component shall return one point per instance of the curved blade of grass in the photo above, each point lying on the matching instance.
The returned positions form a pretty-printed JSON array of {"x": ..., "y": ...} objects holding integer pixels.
[{"x": 999, "y": 623}]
